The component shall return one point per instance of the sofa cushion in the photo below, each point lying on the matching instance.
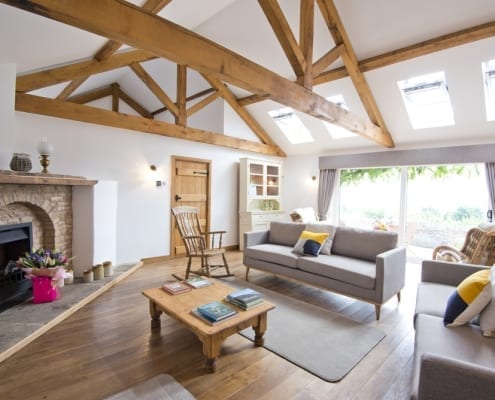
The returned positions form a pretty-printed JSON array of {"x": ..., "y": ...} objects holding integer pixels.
[
  {"x": 361, "y": 243},
  {"x": 285, "y": 233},
  {"x": 464, "y": 343},
  {"x": 309, "y": 243},
  {"x": 273, "y": 253},
  {"x": 356, "y": 272},
  {"x": 468, "y": 299},
  {"x": 324, "y": 228},
  {"x": 432, "y": 298}
]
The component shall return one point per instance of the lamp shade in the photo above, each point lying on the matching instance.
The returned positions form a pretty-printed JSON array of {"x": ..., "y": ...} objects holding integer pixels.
[{"x": 44, "y": 148}]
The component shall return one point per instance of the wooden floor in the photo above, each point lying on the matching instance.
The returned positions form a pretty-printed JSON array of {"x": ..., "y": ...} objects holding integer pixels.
[{"x": 108, "y": 346}]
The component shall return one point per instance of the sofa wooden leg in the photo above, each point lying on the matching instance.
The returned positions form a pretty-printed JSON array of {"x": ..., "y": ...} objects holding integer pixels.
[
  {"x": 398, "y": 296},
  {"x": 247, "y": 273},
  {"x": 377, "y": 311}
]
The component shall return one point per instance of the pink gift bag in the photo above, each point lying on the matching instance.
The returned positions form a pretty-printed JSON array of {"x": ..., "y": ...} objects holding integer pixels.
[{"x": 43, "y": 290}]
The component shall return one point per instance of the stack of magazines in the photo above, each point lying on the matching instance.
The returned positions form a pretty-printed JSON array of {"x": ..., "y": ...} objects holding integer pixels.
[
  {"x": 214, "y": 312},
  {"x": 245, "y": 298}
]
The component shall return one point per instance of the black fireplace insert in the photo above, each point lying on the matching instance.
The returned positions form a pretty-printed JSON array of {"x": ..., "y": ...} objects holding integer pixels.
[{"x": 15, "y": 240}]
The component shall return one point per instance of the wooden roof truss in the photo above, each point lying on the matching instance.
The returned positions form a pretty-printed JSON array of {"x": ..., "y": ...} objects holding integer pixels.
[{"x": 217, "y": 65}]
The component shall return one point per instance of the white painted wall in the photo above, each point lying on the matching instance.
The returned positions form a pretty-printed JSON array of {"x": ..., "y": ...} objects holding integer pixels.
[
  {"x": 7, "y": 119},
  {"x": 298, "y": 187}
]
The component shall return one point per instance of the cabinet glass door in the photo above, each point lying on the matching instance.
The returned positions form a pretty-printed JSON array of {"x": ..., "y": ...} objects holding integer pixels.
[{"x": 272, "y": 180}]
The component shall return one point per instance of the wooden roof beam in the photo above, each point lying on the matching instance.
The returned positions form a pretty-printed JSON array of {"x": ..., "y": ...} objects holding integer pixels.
[
  {"x": 430, "y": 46},
  {"x": 77, "y": 112},
  {"x": 53, "y": 76},
  {"x": 339, "y": 34},
  {"x": 154, "y": 87},
  {"x": 203, "y": 103},
  {"x": 110, "y": 48},
  {"x": 306, "y": 36},
  {"x": 98, "y": 16},
  {"x": 92, "y": 95},
  {"x": 189, "y": 98},
  {"x": 130, "y": 101},
  {"x": 284, "y": 34},
  {"x": 242, "y": 112}
]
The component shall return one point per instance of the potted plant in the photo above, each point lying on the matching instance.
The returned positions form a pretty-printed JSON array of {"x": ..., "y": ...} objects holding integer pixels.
[{"x": 47, "y": 269}]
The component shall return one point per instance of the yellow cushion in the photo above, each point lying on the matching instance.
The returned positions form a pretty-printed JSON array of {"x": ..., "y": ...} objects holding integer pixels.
[
  {"x": 469, "y": 299},
  {"x": 310, "y": 243}
]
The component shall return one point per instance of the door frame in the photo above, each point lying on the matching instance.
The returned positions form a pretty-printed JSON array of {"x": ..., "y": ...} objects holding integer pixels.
[{"x": 173, "y": 174}]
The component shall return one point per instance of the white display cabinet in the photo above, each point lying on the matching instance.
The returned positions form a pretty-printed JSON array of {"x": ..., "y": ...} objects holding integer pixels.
[{"x": 260, "y": 195}]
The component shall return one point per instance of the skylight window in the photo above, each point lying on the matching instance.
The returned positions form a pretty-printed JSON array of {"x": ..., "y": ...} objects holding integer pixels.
[
  {"x": 427, "y": 100},
  {"x": 291, "y": 126},
  {"x": 489, "y": 80},
  {"x": 336, "y": 131}
]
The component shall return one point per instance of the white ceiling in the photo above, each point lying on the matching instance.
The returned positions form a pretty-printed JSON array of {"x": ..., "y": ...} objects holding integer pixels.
[{"x": 374, "y": 27}]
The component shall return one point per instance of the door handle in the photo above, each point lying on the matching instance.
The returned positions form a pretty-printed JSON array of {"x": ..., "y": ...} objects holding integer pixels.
[{"x": 177, "y": 197}]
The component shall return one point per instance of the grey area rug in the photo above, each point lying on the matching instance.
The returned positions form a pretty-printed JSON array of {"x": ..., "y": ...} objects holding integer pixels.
[
  {"x": 322, "y": 342},
  {"x": 162, "y": 387}
]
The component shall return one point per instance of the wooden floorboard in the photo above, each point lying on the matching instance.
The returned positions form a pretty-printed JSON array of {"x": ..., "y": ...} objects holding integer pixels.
[{"x": 108, "y": 346}]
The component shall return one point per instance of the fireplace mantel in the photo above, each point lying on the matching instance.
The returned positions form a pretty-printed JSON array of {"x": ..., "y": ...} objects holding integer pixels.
[{"x": 26, "y": 178}]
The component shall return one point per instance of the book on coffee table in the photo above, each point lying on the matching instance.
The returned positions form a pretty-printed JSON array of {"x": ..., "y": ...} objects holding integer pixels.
[
  {"x": 216, "y": 310},
  {"x": 175, "y": 287},
  {"x": 245, "y": 298},
  {"x": 209, "y": 321},
  {"x": 198, "y": 282}
]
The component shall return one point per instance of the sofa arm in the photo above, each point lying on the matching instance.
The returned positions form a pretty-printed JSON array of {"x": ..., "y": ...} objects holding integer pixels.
[
  {"x": 447, "y": 273},
  {"x": 255, "y": 237},
  {"x": 447, "y": 378},
  {"x": 390, "y": 273}
]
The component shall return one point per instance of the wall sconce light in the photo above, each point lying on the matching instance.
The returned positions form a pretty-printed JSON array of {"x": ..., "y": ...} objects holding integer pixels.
[
  {"x": 159, "y": 184},
  {"x": 45, "y": 150}
]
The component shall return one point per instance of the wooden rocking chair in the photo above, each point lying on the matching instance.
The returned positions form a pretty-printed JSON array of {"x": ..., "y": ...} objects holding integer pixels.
[
  {"x": 198, "y": 244},
  {"x": 478, "y": 248}
]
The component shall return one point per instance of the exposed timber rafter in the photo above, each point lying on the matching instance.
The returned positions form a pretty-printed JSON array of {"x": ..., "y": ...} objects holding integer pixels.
[
  {"x": 188, "y": 98},
  {"x": 130, "y": 101},
  {"x": 339, "y": 35},
  {"x": 155, "y": 88},
  {"x": 306, "y": 36},
  {"x": 284, "y": 34},
  {"x": 53, "y": 76},
  {"x": 97, "y": 16},
  {"x": 430, "y": 46},
  {"x": 110, "y": 48},
  {"x": 241, "y": 112},
  {"x": 77, "y": 112}
]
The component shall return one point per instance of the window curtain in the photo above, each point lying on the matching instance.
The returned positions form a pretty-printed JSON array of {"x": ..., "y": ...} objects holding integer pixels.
[
  {"x": 490, "y": 181},
  {"x": 325, "y": 191}
]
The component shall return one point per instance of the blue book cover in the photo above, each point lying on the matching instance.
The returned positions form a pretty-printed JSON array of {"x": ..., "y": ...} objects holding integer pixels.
[{"x": 216, "y": 310}]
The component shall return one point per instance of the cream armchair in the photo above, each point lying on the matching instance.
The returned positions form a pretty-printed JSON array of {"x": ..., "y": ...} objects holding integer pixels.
[{"x": 304, "y": 215}]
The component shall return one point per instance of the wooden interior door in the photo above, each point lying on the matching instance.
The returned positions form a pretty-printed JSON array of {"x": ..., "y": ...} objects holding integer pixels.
[{"x": 190, "y": 187}]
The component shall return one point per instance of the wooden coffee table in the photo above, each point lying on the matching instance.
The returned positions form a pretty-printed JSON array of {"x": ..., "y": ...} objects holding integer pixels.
[{"x": 179, "y": 307}]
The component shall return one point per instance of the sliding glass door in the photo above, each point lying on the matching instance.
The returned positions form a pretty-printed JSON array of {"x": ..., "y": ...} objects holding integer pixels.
[{"x": 426, "y": 205}]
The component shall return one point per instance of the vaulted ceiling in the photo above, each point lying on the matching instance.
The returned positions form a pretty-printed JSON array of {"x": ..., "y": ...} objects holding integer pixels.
[{"x": 168, "y": 60}]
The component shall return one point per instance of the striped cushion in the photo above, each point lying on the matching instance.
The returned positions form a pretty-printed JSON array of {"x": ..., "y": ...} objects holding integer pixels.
[{"x": 469, "y": 298}]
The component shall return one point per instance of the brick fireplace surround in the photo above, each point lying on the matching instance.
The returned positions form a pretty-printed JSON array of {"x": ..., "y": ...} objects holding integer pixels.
[{"x": 43, "y": 199}]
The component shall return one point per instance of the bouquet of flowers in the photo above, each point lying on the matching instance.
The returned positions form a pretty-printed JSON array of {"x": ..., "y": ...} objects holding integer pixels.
[{"x": 44, "y": 262}]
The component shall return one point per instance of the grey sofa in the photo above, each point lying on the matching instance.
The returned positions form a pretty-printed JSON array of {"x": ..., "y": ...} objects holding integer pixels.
[
  {"x": 362, "y": 264},
  {"x": 449, "y": 363}
]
